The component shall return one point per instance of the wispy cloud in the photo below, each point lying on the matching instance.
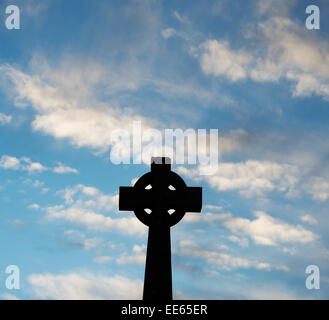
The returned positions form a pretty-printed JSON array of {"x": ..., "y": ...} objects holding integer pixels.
[
  {"x": 138, "y": 256},
  {"x": 9, "y": 296},
  {"x": 290, "y": 53},
  {"x": 168, "y": 32},
  {"x": 66, "y": 104},
  {"x": 218, "y": 59},
  {"x": 61, "y": 169},
  {"x": 180, "y": 17},
  {"x": 255, "y": 178},
  {"x": 25, "y": 164},
  {"x": 250, "y": 178},
  {"x": 268, "y": 231},
  {"x": 309, "y": 219},
  {"x": 103, "y": 259},
  {"x": 5, "y": 119},
  {"x": 217, "y": 258},
  {"x": 78, "y": 239},
  {"x": 34, "y": 206},
  {"x": 83, "y": 286},
  {"x": 85, "y": 206}
]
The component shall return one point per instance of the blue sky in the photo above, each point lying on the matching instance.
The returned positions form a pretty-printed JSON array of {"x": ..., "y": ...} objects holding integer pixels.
[{"x": 79, "y": 69}]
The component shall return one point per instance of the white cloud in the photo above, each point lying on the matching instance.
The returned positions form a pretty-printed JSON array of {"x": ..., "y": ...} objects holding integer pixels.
[
  {"x": 85, "y": 127},
  {"x": 232, "y": 140},
  {"x": 309, "y": 219},
  {"x": 287, "y": 51},
  {"x": 268, "y": 231},
  {"x": 89, "y": 197},
  {"x": 34, "y": 206},
  {"x": 133, "y": 181},
  {"x": 17, "y": 223},
  {"x": 8, "y": 162},
  {"x": 204, "y": 217},
  {"x": 44, "y": 190},
  {"x": 242, "y": 242},
  {"x": 318, "y": 187},
  {"x": 271, "y": 292},
  {"x": 33, "y": 166},
  {"x": 9, "y": 296},
  {"x": 291, "y": 251},
  {"x": 294, "y": 54},
  {"x": 168, "y": 33},
  {"x": 85, "y": 206},
  {"x": 61, "y": 169},
  {"x": 103, "y": 259},
  {"x": 283, "y": 268},
  {"x": 138, "y": 256},
  {"x": 275, "y": 7},
  {"x": 95, "y": 221},
  {"x": 4, "y": 119},
  {"x": 37, "y": 184},
  {"x": 218, "y": 59},
  {"x": 84, "y": 286},
  {"x": 79, "y": 239},
  {"x": 134, "y": 259},
  {"x": 33, "y": 89},
  {"x": 66, "y": 103},
  {"x": 254, "y": 178},
  {"x": 180, "y": 18},
  {"x": 217, "y": 258},
  {"x": 250, "y": 178},
  {"x": 213, "y": 207}
]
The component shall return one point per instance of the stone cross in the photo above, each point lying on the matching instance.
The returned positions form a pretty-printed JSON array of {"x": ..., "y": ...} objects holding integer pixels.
[{"x": 159, "y": 199}]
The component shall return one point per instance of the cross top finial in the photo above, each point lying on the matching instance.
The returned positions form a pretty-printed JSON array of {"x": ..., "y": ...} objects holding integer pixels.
[{"x": 160, "y": 163}]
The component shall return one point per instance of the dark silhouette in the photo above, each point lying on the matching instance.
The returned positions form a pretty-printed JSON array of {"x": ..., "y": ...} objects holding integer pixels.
[{"x": 167, "y": 196}]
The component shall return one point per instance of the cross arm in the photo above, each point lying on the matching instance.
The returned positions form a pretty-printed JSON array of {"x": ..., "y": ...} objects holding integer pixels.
[
  {"x": 130, "y": 199},
  {"x": 189, "y": 199}
]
